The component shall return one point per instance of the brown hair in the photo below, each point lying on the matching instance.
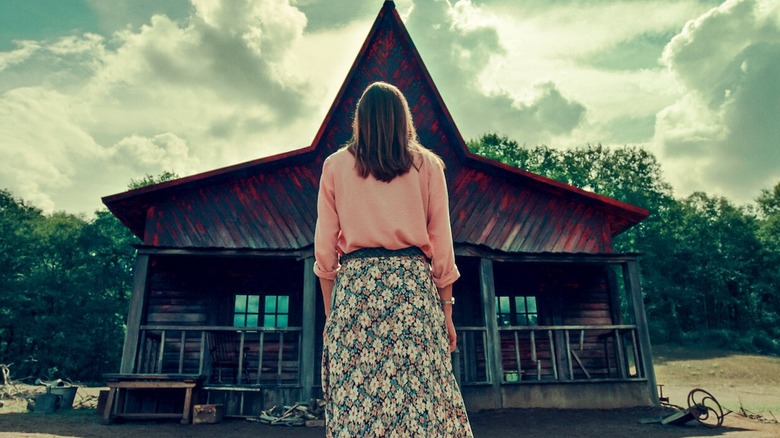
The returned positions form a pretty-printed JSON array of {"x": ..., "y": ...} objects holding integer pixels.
[{"x": 384, "y": 141}]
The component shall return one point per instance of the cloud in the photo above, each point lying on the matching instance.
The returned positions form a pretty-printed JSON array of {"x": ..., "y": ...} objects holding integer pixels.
[
  {"x": 327, "y": 15},
  {"x": 81, "y": 115},
  {"x": 458, "y": 43},
  {"x": 721, "y": 135},
  {"x": 42, "y": 146},
  {"x": 601, "y": 55}
]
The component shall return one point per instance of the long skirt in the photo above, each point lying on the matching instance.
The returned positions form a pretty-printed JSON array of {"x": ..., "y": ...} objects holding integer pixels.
[{"x": 386, "y": 369}]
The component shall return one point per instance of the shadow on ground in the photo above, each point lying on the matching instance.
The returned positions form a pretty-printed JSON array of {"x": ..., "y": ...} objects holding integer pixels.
[{"x": 542, "y": 423}]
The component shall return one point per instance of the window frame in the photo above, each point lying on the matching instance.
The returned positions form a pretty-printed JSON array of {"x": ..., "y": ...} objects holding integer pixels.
[{"x": 516, "y": 317}]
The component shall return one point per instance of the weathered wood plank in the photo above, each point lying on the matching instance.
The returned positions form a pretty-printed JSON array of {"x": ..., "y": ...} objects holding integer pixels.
[
  {"x": 488, "y": 293},
  {"x": 134, "y": 314}
]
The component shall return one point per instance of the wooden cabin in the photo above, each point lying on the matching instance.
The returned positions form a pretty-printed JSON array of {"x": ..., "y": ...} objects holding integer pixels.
[{"x": 547, "y": 314}]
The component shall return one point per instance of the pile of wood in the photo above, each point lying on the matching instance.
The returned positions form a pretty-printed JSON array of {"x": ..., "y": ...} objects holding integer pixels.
[
  {"x": 14, "y": 391},
  {"x": 309, "y": 414}
]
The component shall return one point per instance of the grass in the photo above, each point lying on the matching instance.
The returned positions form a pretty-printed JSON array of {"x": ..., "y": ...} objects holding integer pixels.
[{"x": 736, "y": 380}]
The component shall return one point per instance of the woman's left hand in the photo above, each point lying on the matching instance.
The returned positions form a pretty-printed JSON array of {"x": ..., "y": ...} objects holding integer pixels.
[{"x": 452, "y": 334}]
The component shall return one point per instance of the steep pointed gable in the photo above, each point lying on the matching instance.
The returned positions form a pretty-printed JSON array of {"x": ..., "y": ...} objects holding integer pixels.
[
  {"x": 271, "y": 203},
  {"x": 389, "y": 54}
]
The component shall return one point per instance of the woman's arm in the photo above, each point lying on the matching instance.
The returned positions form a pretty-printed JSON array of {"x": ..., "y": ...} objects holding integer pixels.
[
  {"x": 445, "y": 294},
  {"x": 327, "y": 291}
]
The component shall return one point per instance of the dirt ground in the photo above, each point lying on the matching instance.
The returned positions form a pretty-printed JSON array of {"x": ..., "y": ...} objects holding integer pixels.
[
  {"x": 531, "y": 423},
  {"x": 738, "y": 381},
  {"x": 543, "y": 423}
]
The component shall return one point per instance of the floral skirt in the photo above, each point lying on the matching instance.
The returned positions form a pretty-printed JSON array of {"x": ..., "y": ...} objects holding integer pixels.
[{"x": 386, "y": 369}]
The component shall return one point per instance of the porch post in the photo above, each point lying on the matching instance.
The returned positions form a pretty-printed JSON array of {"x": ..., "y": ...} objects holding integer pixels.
[
  {"x": 307, "y": 328},
  {"x": 134, "y": 314},
  {"x": 493, "y": 358},
  {"x": 636, "y": 305},
  {"x": 614, "y": 295}
]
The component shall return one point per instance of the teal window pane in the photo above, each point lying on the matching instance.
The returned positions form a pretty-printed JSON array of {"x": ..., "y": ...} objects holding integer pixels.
[
  {"x": 240, "y": 304},
  {"x": 284, "y": 304},
  {"x": 533, "y": 319},
  {"x": 269, "y": 321},
  {"x": 251, "y": 320},
  {"x": 503, "y": 304},
  {"x": 503, "y": 320},
  {"x": 253, "y": 305},
  {"x": 531, "y": 301},
  {"x": 281, "y": 321},
  {"x": 270, "y": 304},
  {"x": 239, "y": 320},
  {"x": 520, "y": 304}
]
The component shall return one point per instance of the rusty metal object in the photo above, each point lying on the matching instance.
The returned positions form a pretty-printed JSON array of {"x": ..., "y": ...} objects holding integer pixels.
[
  {"x": 706, "y": 408},
  {"x": 702, "y": 407}
]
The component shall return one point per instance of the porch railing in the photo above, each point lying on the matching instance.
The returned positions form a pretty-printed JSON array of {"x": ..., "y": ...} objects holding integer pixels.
[
  {"x": 552, "y": 354},
  {"x": 472, "y": 355},
  {"x": 263, "y": 355}
]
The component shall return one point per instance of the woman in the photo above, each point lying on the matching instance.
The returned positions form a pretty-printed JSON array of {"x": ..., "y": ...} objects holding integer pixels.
[{"x": 384, "y": 256}]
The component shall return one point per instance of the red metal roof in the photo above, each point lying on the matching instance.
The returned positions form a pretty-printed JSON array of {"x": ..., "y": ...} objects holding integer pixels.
[{"x": 270, "y": 203}]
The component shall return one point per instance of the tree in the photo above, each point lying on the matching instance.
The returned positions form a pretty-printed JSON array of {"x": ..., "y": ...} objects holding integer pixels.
[
  {"x": 17, "y": 253},
  {"x": 66, "y": 283},
  {"x": 149, "y": 180},
  {"x": 768, "y": 203}
]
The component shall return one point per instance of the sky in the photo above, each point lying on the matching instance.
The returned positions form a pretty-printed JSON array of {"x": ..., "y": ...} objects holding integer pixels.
[{"x": 95, "y": 93}]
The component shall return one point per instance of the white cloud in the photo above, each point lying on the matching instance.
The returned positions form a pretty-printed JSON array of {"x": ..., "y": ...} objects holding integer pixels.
[
  {"x": 43, "y": 147},
  {"x": 557, "y": 42},
  {"x": 24, "y": 50},
  {"x": 460, "y": 44},
  {"x": 85, "y": 114},
  {"x": 721, "y": 135}
]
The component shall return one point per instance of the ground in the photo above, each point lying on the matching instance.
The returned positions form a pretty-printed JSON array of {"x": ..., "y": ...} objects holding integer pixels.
[{"x": 746, "y": 384}]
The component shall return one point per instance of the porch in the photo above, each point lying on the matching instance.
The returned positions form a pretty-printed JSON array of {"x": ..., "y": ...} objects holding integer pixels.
[{"x": 533, "y": 331}]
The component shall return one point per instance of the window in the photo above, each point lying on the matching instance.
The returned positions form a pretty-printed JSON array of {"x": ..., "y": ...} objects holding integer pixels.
[
  {"x": 525, "y": 311},
  {"x": 274, "y": 313},
  {"x": 246, "y": 312},
  {"x": 516, "y": 310},
  {"x": 504, "y": 313},
  {"x": 277, "y": 311}
]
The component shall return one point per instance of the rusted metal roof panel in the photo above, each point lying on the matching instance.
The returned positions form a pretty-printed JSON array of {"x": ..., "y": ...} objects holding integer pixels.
[
  {"x": 501, "y": 214},
  {"x": 271, "y": 210}
]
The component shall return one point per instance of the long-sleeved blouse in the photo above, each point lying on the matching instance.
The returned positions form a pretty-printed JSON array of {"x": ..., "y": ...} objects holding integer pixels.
[{"x": 411, "y": 210}]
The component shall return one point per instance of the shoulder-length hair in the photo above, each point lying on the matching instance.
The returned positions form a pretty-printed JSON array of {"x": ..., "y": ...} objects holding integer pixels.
[{"x": 384, "y": 141}]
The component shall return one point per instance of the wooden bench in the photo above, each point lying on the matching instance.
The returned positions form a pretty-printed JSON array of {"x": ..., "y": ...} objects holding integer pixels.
[{"x": 119, "y": 384}]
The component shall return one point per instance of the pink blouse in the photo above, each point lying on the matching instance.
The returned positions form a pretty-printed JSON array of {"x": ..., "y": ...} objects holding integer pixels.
[{"x": 355, "y": 212}]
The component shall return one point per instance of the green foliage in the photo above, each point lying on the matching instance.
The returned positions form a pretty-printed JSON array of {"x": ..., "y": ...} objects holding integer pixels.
[
  {"x": 149, "y": 180},
  {"x": 710, "y": 269},
  {"x": 67, "y": 281}
]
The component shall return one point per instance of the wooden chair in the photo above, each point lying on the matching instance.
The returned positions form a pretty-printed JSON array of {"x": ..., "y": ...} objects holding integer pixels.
[{"x": 225, "y": 354}]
